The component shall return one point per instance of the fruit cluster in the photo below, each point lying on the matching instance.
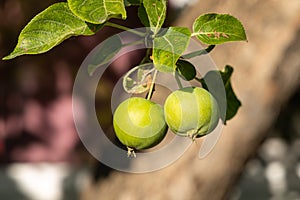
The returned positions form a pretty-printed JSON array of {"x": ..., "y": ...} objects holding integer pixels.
[{"x": 140, "y": 123}]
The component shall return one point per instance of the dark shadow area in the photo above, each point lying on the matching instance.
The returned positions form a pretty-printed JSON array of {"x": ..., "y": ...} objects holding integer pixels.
[{"x": 288, "y": 122}]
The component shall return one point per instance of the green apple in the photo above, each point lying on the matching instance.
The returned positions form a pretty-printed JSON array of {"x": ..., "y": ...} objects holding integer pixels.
[
  {"x": 139, "y": 123},
  {"x": 191, "y": 111}
]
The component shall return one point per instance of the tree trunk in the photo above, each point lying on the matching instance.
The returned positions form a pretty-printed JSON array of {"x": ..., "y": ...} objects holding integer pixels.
[{"x": 266, "y": 75}]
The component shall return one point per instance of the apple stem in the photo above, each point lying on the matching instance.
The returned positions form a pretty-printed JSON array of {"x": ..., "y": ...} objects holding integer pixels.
[{"x": 152, "y": 85}]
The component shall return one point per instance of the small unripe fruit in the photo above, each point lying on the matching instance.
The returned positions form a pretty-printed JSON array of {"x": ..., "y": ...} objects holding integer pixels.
[
  {"x": 191, "y": 111},
  {"x": 139, "y": 123}
]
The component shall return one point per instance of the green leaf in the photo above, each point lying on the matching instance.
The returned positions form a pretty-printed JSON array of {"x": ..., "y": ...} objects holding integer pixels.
[
  {"x": 98, "y": 11},
  {"x": 48, "y": 29},
  {"x": 218, "y": 28},
  {"x": 132, "y": 2},
  {"x": 168, "y": 48},
  {"x": 156, "y": 11},
  {"x": 142, "y": 14},
  {"x": 232, "y": 102},
  {"x": 137, "y": 79},
  {"x": 106, "y": 51},
  {"x": 186, "y": 70}
]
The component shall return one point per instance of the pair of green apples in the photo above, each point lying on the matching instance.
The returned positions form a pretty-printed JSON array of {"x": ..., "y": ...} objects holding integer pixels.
[{"x": 140, "y": 123}]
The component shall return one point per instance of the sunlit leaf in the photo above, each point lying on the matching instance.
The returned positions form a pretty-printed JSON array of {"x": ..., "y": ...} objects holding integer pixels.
[
  {"x": 98, "y": 11},
  {"x": 218, "y": 28},
  {"x": 156, "y": 11},
  {"x": 48, "y": 29},
  {"x": 168, "y": 48}
]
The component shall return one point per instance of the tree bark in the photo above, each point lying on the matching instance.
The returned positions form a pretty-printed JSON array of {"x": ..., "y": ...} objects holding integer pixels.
[{"x": 266, "y": 75}]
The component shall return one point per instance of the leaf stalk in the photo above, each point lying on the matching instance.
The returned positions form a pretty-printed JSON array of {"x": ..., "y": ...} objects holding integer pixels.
[
  {"x": 152, "y": 85},
  {"x": 199, "y": 53},
  {"x": 125, "y": 29}
]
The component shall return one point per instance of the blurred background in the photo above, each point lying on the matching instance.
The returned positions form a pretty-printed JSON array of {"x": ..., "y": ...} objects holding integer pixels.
[{"x": 41, "y": 156}]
